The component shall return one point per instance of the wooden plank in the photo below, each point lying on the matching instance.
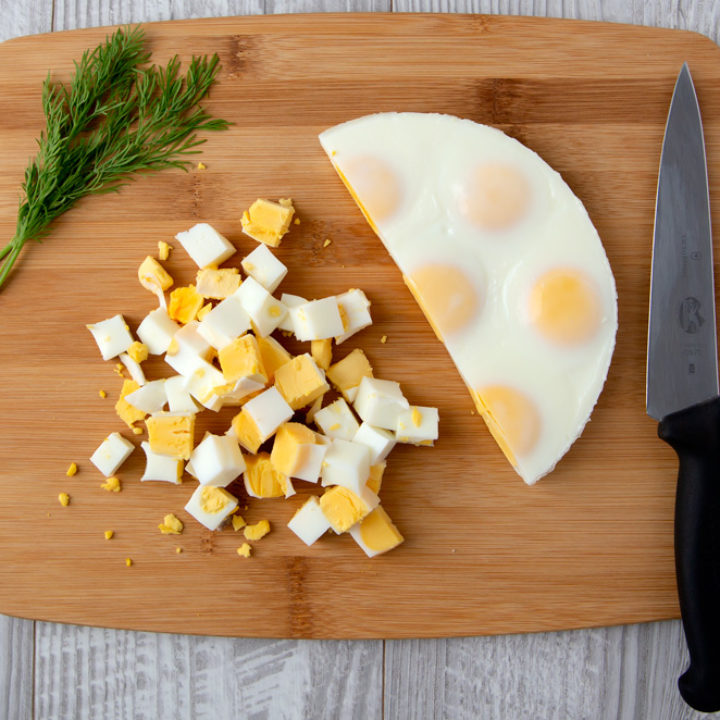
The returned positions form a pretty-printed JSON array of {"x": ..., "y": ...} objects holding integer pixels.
[{"x": 547, "y": 539}]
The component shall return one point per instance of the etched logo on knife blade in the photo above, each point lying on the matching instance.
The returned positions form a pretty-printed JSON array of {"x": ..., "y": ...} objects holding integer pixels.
[{"x": 690, "y": 318}]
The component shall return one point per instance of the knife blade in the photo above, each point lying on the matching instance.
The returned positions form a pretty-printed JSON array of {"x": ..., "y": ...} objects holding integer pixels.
[{"x": 682, "y": 383}]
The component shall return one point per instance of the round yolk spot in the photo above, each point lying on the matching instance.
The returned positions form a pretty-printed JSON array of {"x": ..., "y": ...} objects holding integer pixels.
[
  {"x": 446, "y": 295},
  {"x": 512, "y": 418},
  {"x": 495, "y": 197},
  {"x": 564, "y": 306},
  {"x": 374, "y": 186}
]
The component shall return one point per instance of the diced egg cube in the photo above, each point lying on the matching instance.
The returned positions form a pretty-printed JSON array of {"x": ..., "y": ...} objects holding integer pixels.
[
  {"x": 354, "y": 311},
  {"x": 290, "y": 447},
  {"x": 189, "y": 351},
  {"x": 149, "y": 398},
  {"x": 157, "y": 330},
  {"x": 241, "y": 358},
  {"x": 317, "y": 319},
  {"x": 263, "y": 480},
  {"x": 210, "y": 505},
  {"x": 111, "y": 453},
  {"x": 347, "y": 374},
  {"x": 233, "y": 393},
  {"x": 205, "y": 384},
  {"x": 246, "y": 431},
  {"x": 376, "y": 533},
  {"x": 226, "y": 321},
  {"x": 336, "y": 420},
  {"x": 185, "y": 303},
  {"x": 217, "y": 283},
  {"x": 346, "y": 463},
  {"x": 273, "y": 355},
  {"x": 178, "y": 396},
  {"x": 380, "y": 402},
  {"x": 417, "y": 425},
  {"x": 268, "y": 411},
  {"x": 262, "y": 265},
  {"x": 171, "y": 434},
  {"x": 289, "y": 301},
  {"x": 161, "y": 467},
  {"x": 321, "y": 351},
  {"x": 300, "y": 381},
  {"x": 309, "y": 522},
  {"x": 153, "y": 276},
  {"x": 267, "y": 221},
  {"x": 133, "y": 367},
  {"x": 205, "y": 245},
  {"x": 379, "y": 440},
  {"x": 344, "y": 507},
  {"x": 112, "y": 336},
  {"x": 217, "y": 460},
  {"x": 264, "y": 310}
]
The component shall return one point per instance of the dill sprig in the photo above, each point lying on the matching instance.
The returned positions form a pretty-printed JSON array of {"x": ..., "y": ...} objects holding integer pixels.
[{"x": 115, "y": 118}]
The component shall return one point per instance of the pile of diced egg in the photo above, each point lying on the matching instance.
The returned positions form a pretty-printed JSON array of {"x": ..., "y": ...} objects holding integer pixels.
[{"x": 216, "y": 335}]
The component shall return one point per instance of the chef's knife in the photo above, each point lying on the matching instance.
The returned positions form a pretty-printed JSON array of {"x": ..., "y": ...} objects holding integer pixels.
[{"x": 682, "y": 383}]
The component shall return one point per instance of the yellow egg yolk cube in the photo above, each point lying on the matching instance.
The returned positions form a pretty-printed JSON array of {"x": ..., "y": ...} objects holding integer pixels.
[
  {"x": 258, "y": 530},
  {"x": 263, "y": 478},
  {"x": 268, "y": 221},
  {"x": 138, "y": 351},
  {"x": 348, "y": 372},
  {"x": 273, "y": 355},
  {"x": 378, "y": 531},
  {"x": 172, "y": 435},
  {"x": 247, "y": 431},
  {"x": 342, "y": 508},
  {"x": 184, "y": 304},
  {"x": 374, "y": 482},
  {"x": 126, "y": 412},
  {"x": 300, "y": 381},
  {"x": 288, "y": 452},
  {"x": 171, "y": 525},
  {"x": 241, "y": 358},
  {"x": 153, "y": 276},
  {"x": 214, "y": 499},
  {"x": 321, "y": 351}
]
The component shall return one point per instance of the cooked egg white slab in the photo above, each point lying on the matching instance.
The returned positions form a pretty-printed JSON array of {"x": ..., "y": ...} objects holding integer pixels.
[{"x": 505, "y": 263}]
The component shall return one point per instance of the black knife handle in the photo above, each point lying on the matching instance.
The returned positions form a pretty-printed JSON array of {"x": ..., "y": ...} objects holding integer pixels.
[{"x": 694, "y": 434}]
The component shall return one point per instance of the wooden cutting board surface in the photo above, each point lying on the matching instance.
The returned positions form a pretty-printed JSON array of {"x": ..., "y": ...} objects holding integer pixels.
[{"x": 591, "y": 544}]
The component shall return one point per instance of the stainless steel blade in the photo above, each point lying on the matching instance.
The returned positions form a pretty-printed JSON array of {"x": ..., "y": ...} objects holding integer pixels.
[{"x": 682, "y": 366}]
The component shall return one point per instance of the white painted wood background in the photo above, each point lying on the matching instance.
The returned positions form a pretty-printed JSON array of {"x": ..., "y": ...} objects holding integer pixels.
[{"x": 63, "y": 672}]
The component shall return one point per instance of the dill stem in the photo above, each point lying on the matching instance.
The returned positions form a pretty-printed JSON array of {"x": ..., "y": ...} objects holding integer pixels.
[{"x": 10, "y": 260}]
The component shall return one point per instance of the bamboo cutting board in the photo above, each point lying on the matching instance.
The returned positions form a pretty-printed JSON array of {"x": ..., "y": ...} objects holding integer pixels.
[{"x": 591, "y": 544}]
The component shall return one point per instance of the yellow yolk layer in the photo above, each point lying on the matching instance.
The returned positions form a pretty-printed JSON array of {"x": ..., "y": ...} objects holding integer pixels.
[
  {"x": 300, "y": 382},
  {"x": 214, "y": 499},
  {"x": 374, "y": 481},
  {"x": 342, "y": 508},
  {"x": 263, "y": 478},
  {"x": 349, "y": 372},
  {"x": 126, "y": 412},
  {"x": 495, "y": 197},
  {"x": 273, "y": 355},
  {"x": 288, "y": 447},
  {"x": 257, "y": 531},
  {"x": 321, "y": 351},
  {"x": 153, "y": 276},
  {"x": 171, "y": 434},
  {"x": 171, "y": 525},
  {"x": 511, "y": 417},
  {"x": 564, "y": 306},
  {"x": 378, "y": 531},
  {"x": 247, "y": 432},
  {"x": 268, "y": 221},
  {"x": 241, "y": 358},
  {"x": 446, "y": 295},
  {"x": 184, "y": 304},
  {"x": 138, "y": 352}
]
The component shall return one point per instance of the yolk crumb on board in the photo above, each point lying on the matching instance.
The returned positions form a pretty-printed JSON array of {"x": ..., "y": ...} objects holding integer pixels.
[
  {"x": 112, "y": 484},
  {"x": 102, "y": 394},
  {"x": 327, "y": 242},
  {"x": 383, "y": 339},
  {"x": 72, "y": 469},
  {"x": 244, "y": 550},
  {"x": 238, "y": 522},
  {"x": 258, "y": 530},
  {"x": 171, "y": 525},
  {"x": 128, "y": 562},
  {"x": 64, "y": 499},
  {"x": 108, "y": 534}
]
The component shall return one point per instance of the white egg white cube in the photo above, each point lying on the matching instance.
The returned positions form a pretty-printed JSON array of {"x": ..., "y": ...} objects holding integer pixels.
[
  {"x": 264, "y": 267},
  {"x": 133, "y": 368},
  {"x": 217, "y": 460},
  {"x": 309, "y": 523},
  {"x": 336, "y": 420},
  {"x": 226, "y": 321},
  {"x": 380, "y": 402},
  {"x": 162, "y": 468},
  {"x": 355, "y": 311},
  {"x": 269, "y": 411},
  {"x": 290, "y": 302},
  {"x": 202, "y": 384},
  {"x": 264, "y": 310},
  {"x": 205, "y": 245},
  {"x": 150, "y": 398},
  {"x": 191, "y": 351},
  {"x": 112, "y": 336},
  {"x": 112, "y": 452},
  {"x": 178, "y": 397},
  {"x": 378, "y": 440},
  {"x": 313, "y": 456},
  {"x": 317, "y": 319},
  {"x": 157, "y": 330},
  {"x": 418, "y": 425},
  {"x": 211, "y": 521},
  {"x": 346, "y": 463}
]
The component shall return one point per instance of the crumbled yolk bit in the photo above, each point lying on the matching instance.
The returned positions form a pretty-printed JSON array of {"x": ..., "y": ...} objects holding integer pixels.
[
  {"x": 128, "y": 562},
  {"x": 178, "y": 550},
  {"x": 267, "y": 221},
  {"x": 72, "y": 469},
  {"x": 258, "y": 530},
  {"x": 238, "y": 522},
  {"x": 137, "y": 430},
  {"x": 153, "y": 276},
  {"x": 327, "y": 242},
  {"x": 164, "y": 250},
  {"x": 112, "y": 484},
  {"x": 383, "y": 339},
  {"x": 171, "y": 525},
  {"x": 184, "y": 304},
  {"x": 201, "y": 166},
  {"x": 244, "y": 550},
  {"x": 64, "y": 499},
  {"x": 296, "y": 221},
  {"x": 102, "y": 394},
  {"x": 138, "y": 351},
  {"x": 108, "y": 534}
]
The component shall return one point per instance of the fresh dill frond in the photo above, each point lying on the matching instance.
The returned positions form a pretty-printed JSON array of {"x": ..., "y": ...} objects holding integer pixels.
[{"x": 116, "y": 117}]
